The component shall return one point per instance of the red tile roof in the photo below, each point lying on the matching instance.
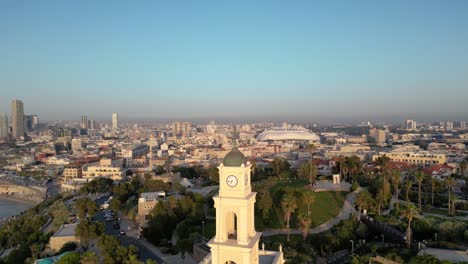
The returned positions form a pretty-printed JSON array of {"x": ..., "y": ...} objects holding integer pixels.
[{"x": 438, "y": 169}]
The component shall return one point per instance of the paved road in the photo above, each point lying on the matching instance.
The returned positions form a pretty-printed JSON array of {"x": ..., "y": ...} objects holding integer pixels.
[
  {"x": 125, "y": 240},
  {"x": 204, "y": 191},
  {"x": 445, "y": 254},
  {"x": 345, "y": 213}
]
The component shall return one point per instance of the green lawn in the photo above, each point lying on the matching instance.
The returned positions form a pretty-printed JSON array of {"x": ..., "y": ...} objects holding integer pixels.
[
  {"x": 441, "y": 211},
  {"x": 326, "y": 206}
]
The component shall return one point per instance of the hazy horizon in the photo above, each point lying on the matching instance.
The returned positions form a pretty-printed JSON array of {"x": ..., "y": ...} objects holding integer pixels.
[{"x": 301, "y": 61}]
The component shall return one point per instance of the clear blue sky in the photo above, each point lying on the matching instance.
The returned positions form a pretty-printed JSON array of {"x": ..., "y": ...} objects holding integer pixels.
[{"x": 189, "y": 59}]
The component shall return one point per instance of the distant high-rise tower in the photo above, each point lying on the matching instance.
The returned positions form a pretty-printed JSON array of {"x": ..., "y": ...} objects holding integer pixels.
[
  {"x": 115, "y": 121},
  {"x": 17, "y": 118},
  {"x": 410, "y": 125},
  {"x": 35, "y": 121},
  {"x": 84, "y": 122},
  {"x": 182, "y": 129},
  {"x": 91, "y": 124},
  {"x": 462, "y": 125},
  {"x": 3, "y": 126},
  {"x": 449, "y": 125}
]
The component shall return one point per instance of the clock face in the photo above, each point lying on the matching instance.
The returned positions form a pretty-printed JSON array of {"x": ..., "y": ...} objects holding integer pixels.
[{"x": 231, "y": 181}]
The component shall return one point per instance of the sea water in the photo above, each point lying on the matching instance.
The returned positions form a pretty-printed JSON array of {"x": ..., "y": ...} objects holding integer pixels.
[{"x": 11, "y": 207}]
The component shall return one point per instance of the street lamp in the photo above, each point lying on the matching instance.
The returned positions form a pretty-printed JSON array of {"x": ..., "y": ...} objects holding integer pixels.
[
  {"x": 203, "y": 228},
  {"x": 352, "y": 246}
]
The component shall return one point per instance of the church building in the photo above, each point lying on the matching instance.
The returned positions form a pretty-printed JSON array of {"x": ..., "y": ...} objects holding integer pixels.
[{"x": 236, "y": 241}]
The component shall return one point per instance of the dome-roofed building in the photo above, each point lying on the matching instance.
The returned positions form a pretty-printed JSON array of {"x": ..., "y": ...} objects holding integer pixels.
[
  {"x": 234, "y": 158},
  {"x": 288, "y": 132}
]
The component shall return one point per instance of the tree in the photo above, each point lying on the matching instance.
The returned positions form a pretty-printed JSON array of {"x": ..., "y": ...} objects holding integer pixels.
[
  {"x": 379, "y": 200},
  {"x": 89, "y": 258},
  {"x": 85, "y": 208},
  {"x": 87, "y": 231},
  {"x": 312, "y": 168},
  {"x": 409, "y": 212},
  {"x": 308, "y": 197},
  {"x": 308, "y": 171},
  {"x": 463, "y": 166},
  {"x": 304, "y": 223},
  {"x": 408, "y": 185},
  {"x": 419, "y": 176},
  {"x": 70, "y": 258},
  {"x": 363, "y": 201},
  {"x": 277, "y": 162},
  {"x": 425, "y": 259},
  {"x": 433, "y": 186},
  {"x": 213, "y": 174},
  {"x": 184, "y": 245},
  {"x": 115, "y": 205},
  {"x": 108, "y": 245},
  {"x": 265, "y": 202},
  {"x": 168, "y": 165},
  {"x": 59, "y": 213},
  {"x": 395, "y": 178},
  {"x": 288, "y": 205},
  {"x": 450, "y": 183},
  {"x": 253, "y": 168}
]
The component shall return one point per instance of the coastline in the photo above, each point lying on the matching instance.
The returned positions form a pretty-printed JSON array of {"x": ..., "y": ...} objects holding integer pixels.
[{"x": 19, "y": 199}]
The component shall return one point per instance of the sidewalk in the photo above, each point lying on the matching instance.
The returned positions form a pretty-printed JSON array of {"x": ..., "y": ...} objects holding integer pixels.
[
  {"x": 169, "y": 259},
  {"x": 345, "y": 214}
]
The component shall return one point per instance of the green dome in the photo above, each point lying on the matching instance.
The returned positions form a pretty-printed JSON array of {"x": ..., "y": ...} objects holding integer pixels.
[{"x": 234, "y": 158}]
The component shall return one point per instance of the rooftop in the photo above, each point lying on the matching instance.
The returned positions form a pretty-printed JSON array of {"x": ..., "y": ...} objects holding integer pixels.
[
  {"x": 66, "y": 230},
  {"x": 234, "y": 158}
]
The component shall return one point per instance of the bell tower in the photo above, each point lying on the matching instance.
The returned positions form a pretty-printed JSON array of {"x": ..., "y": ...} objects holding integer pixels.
[{"x": 236, "y": 240}]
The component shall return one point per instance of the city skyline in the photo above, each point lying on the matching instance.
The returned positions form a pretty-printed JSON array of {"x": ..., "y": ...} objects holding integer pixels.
[{"x": 306, "y": 61}]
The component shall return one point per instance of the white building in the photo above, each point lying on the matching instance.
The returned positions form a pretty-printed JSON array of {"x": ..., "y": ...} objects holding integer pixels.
[
  {"x": 17, "y": 118},
  {"x": 288, "y": 133},
  {"x": 410, "y": 125},
  {"x": 106, "y": 168},
  {"x": 115, "y": 121},
  {"x": 3, "y": 126},
  {"x": 236, "y": 240}
]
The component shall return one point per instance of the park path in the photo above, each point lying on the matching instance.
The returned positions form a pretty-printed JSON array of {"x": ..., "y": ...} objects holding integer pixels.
[{"x": 345, "y": 213}]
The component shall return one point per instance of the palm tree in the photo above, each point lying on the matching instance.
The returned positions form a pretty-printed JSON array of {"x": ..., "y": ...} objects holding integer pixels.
[
  {"x": 408, "y": 185},
  {"x": 463, "y": 166},
  {"x": 277, "y": 162},
  {"x": 305, "y": 222},
  {"x": 419, "y": 176},
  {"x": 168, "y": 165},
  {"x": 363, "y": 201},
  {"x": 308, "y": 198},
  {"x": 433, "y": 186},
  {"x": 380, "y": 199},
  {"x": 312, "y": 173},
  {"x": 354, "y": 165},
  {"x": 343, "y": 167},
  {"x": 409, "y": 212},
  {"x": 89, "y": 258},
  {"x": 449, "y": 183},
  {"x": 453, "y": 198},
  {"x": 289, "y": 205},
  {"x": 395, "y": 178},
  {"x": 253, "y": 168}
]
